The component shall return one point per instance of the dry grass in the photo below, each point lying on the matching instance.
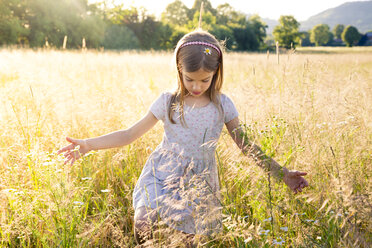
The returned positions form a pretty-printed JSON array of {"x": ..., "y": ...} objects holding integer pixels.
[{"x": 313, "y": 112}]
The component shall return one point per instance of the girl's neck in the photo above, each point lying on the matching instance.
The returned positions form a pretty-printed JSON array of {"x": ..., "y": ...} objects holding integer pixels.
[{"x": 197, "y": 102}]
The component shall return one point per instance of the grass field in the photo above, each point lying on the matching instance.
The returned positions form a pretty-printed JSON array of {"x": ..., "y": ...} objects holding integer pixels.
[{"x": 313, "y": 112}]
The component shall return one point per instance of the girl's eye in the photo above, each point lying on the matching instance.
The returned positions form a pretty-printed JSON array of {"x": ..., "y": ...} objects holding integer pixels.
[{"x": 206, "y": 81}]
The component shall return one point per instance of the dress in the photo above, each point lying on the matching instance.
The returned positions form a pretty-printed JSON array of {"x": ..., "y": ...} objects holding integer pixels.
[{"x": 180, "y": 178}]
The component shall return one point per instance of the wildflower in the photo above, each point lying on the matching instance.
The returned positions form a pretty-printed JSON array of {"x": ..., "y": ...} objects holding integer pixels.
[
  {"x": 341, "y": 123},
  {"x": 268, "y": 219},
  {"x": 309, "y": 220},
  {"x": 319, "y": 238},
  {"x": 78, "y": 203},
  {"x": 19, "y": 193},
  {"x": 207, "y": 51},
  {"x": 105, "y": 190},
  {"x": 284, "y": 228},
  {"x": 316, "y": 221},
  {"x": 86, "y": 178},
  {"x": 48, "y": 163},
  {"x": 278, "y": 241},
  {"x": 9, "y": 190},
  {"x": 247, "y": 240},
  {"x": 264, "y": 232},
  {"x": 298, "y": 214}
]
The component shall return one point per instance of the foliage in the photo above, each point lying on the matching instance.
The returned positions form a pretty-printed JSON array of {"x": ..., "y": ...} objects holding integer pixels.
[
  {"x": 337, "y": 30},
  {"x": 320, "y": 34},
  {"x": 350, "y": 36},
  {"x": 11, "y": 26},
  {"x": 176, "y": 13},
  {"x": 287, "y": 32},
  {"x": 120, "y": 37},
  {"x": 44, "y": 203}
]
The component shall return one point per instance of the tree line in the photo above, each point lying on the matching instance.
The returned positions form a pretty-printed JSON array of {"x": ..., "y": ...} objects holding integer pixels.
[{"x": 36, "y": 23}]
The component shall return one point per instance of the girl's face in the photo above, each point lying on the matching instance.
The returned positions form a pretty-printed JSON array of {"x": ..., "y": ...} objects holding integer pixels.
[{"x": 197, "y": 83}]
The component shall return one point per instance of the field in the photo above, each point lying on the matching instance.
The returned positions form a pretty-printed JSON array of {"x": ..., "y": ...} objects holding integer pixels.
[{"x": 312, "y": 112}]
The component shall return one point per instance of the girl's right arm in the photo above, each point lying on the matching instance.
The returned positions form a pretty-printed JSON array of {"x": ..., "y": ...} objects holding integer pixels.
[{"x": 111, "y": 140}]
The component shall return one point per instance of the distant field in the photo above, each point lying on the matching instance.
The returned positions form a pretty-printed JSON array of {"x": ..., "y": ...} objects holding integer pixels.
[
  {"x": 366, "y": 49},
  {"x": 313, "y": 112}
]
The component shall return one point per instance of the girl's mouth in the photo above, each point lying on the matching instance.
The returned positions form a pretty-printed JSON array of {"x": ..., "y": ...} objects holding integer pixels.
[{"x": 196, "y": 93}]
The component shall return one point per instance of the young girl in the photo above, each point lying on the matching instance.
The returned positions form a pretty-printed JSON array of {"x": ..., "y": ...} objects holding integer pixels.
[{"x": 179, "y": 182}]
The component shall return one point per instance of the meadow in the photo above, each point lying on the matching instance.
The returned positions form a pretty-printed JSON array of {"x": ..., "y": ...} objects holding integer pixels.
[{"x": 311, "y": 112}]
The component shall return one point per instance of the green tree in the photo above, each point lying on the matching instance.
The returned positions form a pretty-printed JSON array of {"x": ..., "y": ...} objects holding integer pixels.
[
  {"x": 337, "y": 30},
  {"x": 176, "y": 13},
  {"x": 207, "y": 6},
  {"x": 120, "y": 37},
  {"x": 305, "y": 39},
  {"x": 12, "y": 26},
  {"x": 258, "y": 27},
  {"x": 52, "y": 20},
  {"x": 350, "y": 36},
  {"x": 226, "y": 14},
  {"x": 320, "y": 34},
  {"x": 286, "y": 33}
]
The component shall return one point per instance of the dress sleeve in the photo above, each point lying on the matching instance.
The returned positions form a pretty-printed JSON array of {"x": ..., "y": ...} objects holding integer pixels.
[
  {"x": 229, "y": 108},
  {"x": 159, "y": 107}
]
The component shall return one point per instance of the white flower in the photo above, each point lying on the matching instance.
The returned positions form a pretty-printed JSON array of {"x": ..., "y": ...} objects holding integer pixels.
[
  {"x": 268, "y": 219},
  {"x": 105, "y": 190},
  {"x": 19, "y": 193},
  {"x": 86, "y": 178},
  {"x": 264, "y": 232},
  {"x": 278, "y": 241},
  {"x": 309, "y": 220},
  {"x": 319, "y": 238},
  {"x": 78, "y": 203},
  {"x": 284, "y": 228},
  {"x": 299, "y": 214},
  {"x": 247, "y": 240},
  {"x": 207, "y": 51},
  {"x": 48, "y": 163}
]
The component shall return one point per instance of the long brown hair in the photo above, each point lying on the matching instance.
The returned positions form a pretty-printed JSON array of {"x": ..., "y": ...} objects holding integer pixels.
[{"x": 192, "y": 58}]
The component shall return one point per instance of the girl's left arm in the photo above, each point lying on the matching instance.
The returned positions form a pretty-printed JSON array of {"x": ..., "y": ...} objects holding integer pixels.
[{"x": 293, "y": 179}]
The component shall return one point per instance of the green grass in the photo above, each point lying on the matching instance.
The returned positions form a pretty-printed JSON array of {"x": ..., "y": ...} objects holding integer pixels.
[{"x": 311, "y": 112}]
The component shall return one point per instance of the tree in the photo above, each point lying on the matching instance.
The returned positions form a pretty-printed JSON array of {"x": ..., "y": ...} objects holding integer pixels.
[
  {"x": 226, "y": 14},
  {"x": 176, "y": 13},
  {"x": 11, "y": 22},
  {"x": 350, "y": 36},
  {"x": 120, "y": 37},
  {"x": 305, "y": 39},
  {"x": 337, "y": 30},
  {"x": 286, "y": 33},
  {"x": 258, "y": 27},
  {"x": 320, "y": 34}
]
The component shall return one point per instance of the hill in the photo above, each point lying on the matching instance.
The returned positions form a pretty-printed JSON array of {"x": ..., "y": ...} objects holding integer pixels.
[{"x": 357, "y": 14}]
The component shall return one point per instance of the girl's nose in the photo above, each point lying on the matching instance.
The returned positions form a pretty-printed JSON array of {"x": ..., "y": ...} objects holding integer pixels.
[{"x": 195, "y": 86}]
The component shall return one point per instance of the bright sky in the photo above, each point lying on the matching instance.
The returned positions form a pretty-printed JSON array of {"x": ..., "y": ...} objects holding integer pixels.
[{"x": 272, "y": 9}]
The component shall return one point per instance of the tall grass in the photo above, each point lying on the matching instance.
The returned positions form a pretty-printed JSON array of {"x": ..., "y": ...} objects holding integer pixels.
[{"x": 311, "y": 112}]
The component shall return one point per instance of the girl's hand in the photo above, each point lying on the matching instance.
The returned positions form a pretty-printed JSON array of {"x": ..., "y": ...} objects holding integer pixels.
[
  {"x": 294, "y": 180},
  {"x": 75, "y": 150}
]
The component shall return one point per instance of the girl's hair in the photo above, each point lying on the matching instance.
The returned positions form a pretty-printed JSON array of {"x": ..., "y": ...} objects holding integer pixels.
[{"x": 191, "y": 57}]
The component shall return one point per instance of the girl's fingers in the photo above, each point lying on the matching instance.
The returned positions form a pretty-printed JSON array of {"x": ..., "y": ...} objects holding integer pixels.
[{"x": 299, "y": 173}]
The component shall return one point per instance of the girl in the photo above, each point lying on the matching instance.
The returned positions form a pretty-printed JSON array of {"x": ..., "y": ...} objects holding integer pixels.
[{"x": 179, "y": 182}]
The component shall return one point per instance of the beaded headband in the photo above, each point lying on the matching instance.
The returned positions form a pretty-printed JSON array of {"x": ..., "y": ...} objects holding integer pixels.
[{"x": 206, "y": 51}]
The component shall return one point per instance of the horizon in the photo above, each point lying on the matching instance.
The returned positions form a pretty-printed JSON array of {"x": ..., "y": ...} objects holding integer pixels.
[{"x": 286, "y": 7}]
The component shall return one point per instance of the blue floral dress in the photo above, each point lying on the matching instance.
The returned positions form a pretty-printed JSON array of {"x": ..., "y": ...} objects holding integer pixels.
[{"x": 180, "y": 178}]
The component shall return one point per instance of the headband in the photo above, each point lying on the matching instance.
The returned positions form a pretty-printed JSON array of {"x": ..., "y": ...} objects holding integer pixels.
[{"x": 201, "y": 43}]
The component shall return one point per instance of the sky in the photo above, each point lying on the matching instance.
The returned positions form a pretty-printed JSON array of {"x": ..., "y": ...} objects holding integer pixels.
[{"x": 271, "y": 9}]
